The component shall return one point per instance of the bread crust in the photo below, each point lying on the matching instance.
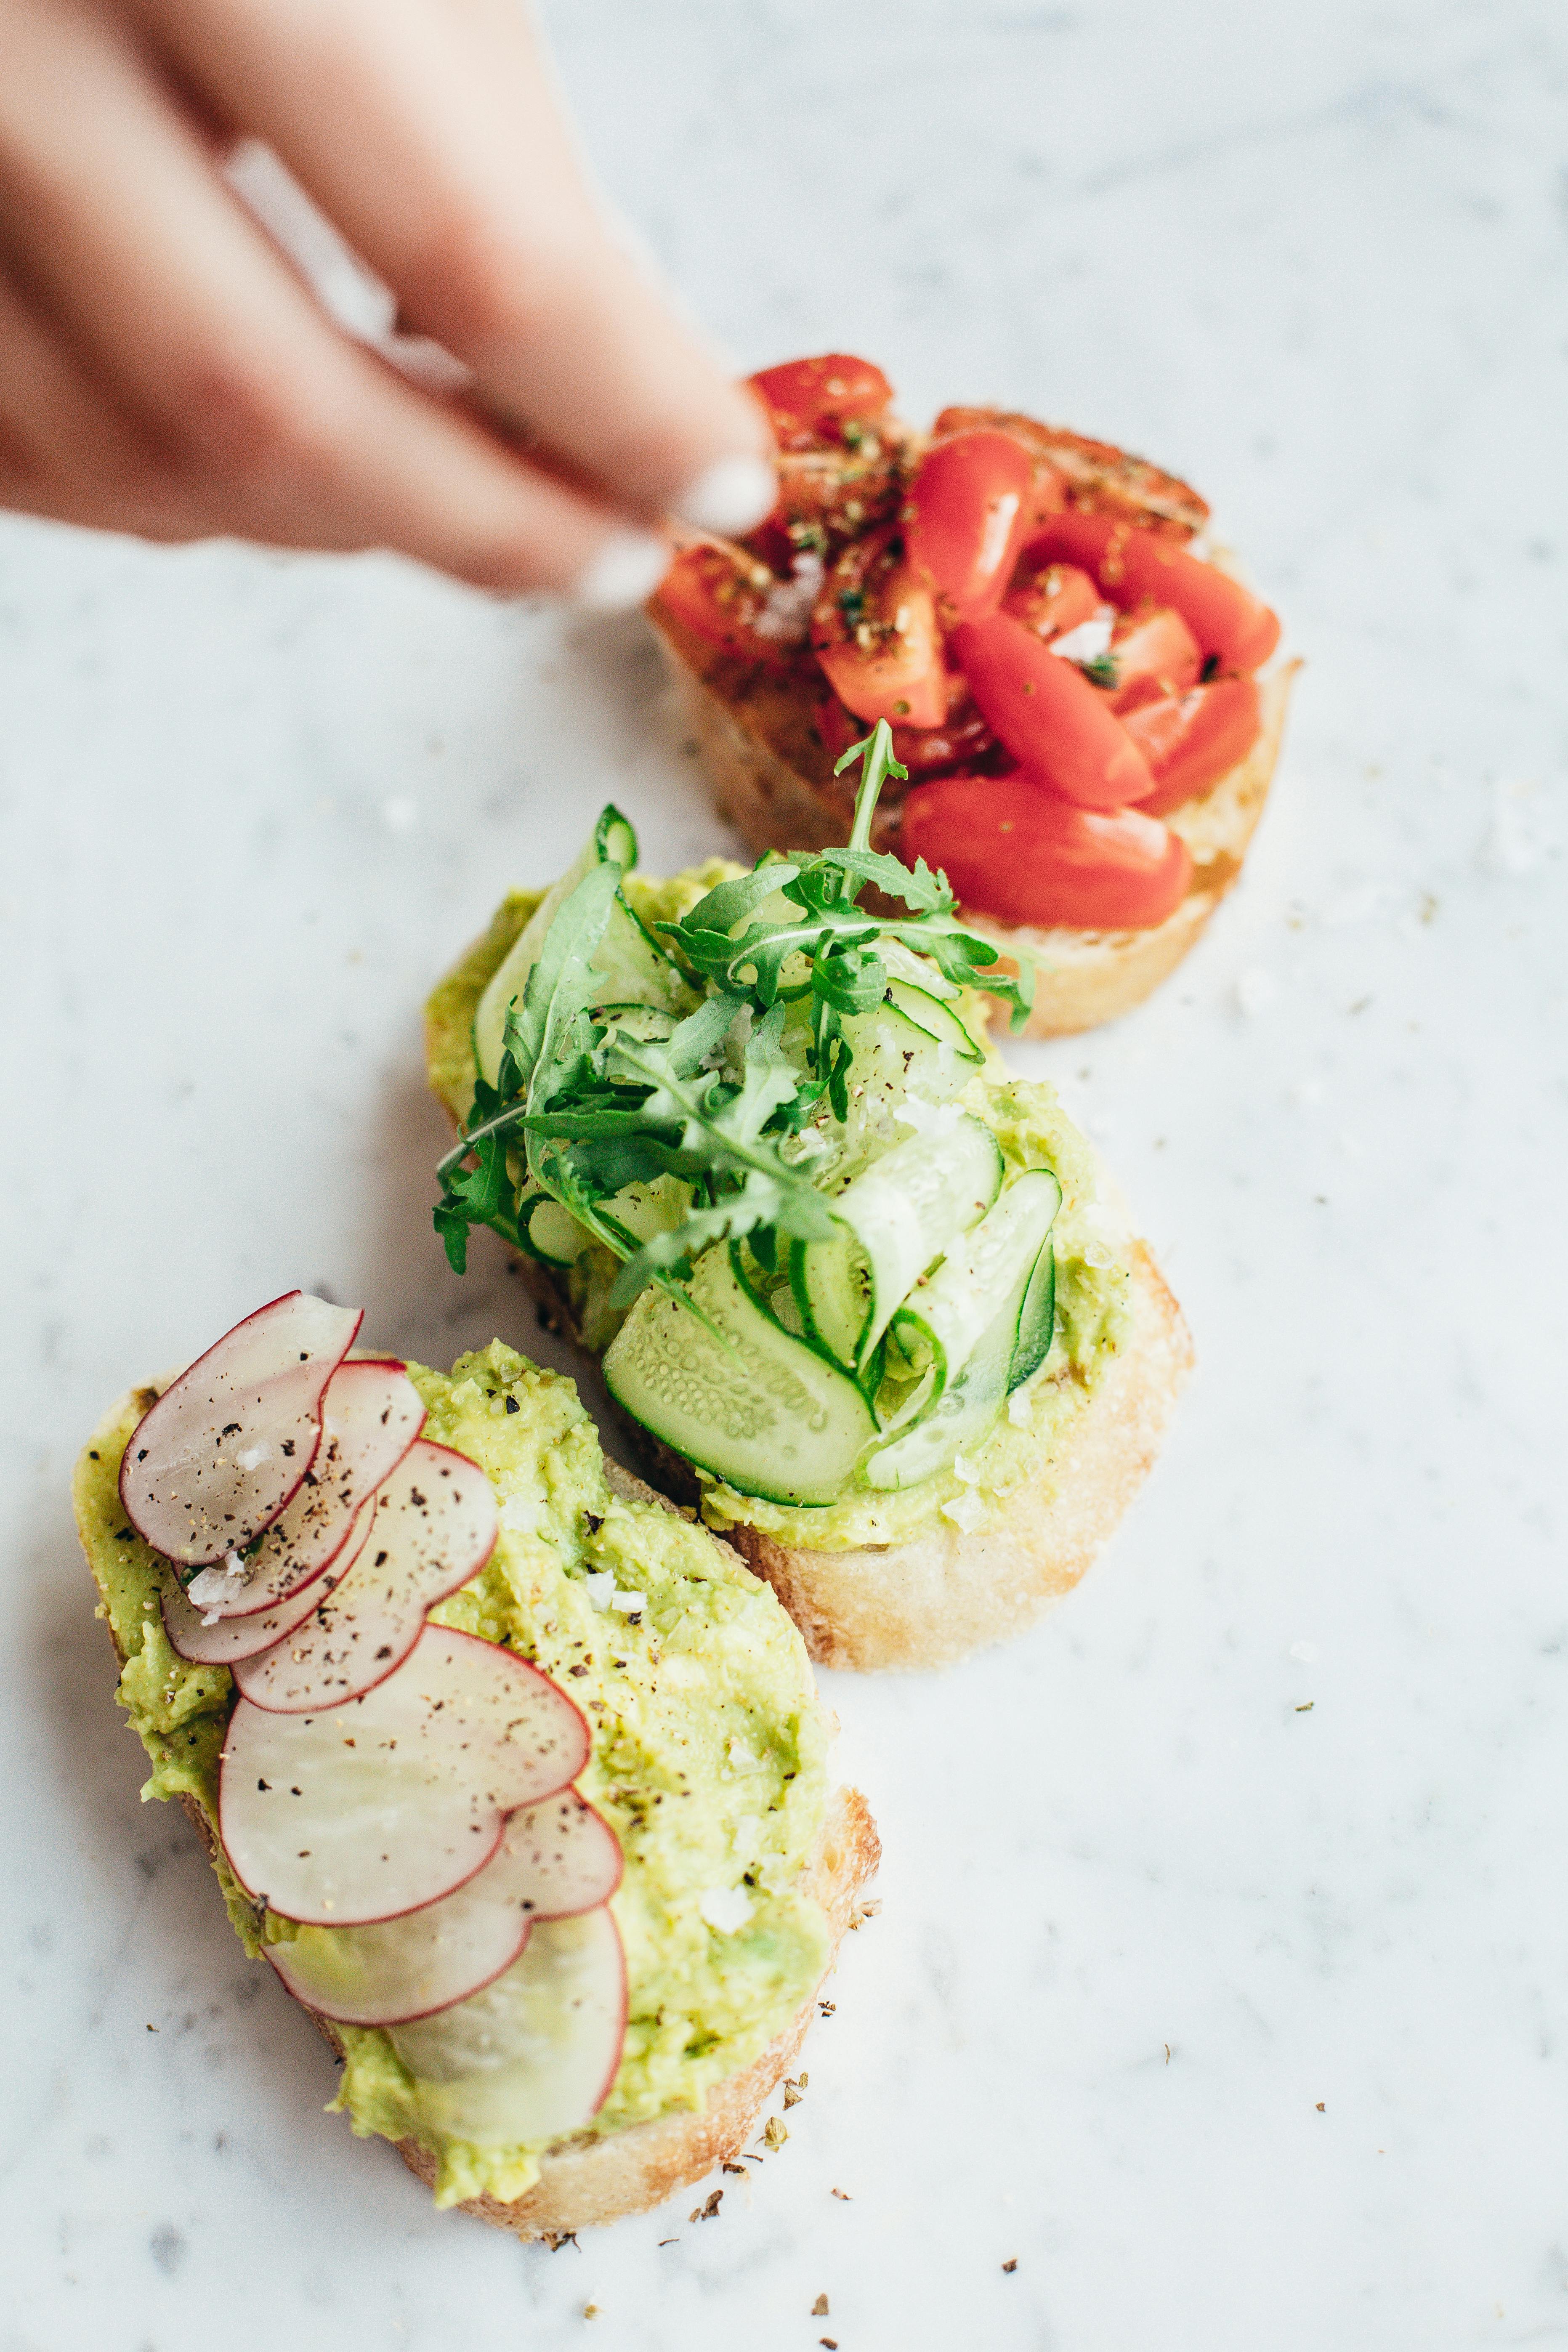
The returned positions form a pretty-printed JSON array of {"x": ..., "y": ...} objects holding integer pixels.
[
  {"x": 1085, "y": 978},
  {"x": 932, "y": 1600},
  {"x": 584, "y": 2182}
]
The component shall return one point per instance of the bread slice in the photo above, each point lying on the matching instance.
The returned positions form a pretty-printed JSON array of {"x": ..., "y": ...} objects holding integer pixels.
[
  {"x": 950, "y": 1591},
  {"x": 584, "y": 2180},
  {"x": 769, "y": 784}
]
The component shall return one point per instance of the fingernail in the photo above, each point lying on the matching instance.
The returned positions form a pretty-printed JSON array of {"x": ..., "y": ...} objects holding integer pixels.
[
  {"x": 624, "y": 571},
  {"x": 733, "y": 495}
]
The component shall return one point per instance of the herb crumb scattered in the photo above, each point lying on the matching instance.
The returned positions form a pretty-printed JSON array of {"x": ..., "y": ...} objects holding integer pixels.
[
  {"x": 710, "y": 2212},
  {"x": 775, "y": 2132},
  {"x": 1321, "y": 2105},
  {"x": 1011, "y": 2265},
  {"x": 843, "y": 2194},
  {"x": 819, "y": 2308}
]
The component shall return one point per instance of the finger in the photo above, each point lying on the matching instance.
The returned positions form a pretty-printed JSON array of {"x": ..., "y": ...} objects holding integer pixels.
[
  {"x": 460, "y": 187},
  {"x": 254, "y": 404},
  {"x": 64, "y": 450}
]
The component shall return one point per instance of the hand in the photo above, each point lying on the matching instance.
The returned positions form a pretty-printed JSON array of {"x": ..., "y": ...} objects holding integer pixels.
[{"x": 165, "y": 369}]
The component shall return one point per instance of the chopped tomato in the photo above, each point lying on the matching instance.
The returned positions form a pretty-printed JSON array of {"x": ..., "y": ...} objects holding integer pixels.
[
  {"x": 1057, "y": 727},
  {"x": 1154, "y": 652},
  {"x": 874, "y": 631},
  {"x": 968, "y": 505},
  {"x": 1131, "y": 566},
  {"x": 814, "y": 400},
  {"x": 836, "y": 493},
  {"x": 1055, "y": 598},
  {"x": 721, "y": 596},
  {"x": 1012, "y": 851},
  {"x": 1191, "y": 741},
  {"x": 961, "y": 740}
]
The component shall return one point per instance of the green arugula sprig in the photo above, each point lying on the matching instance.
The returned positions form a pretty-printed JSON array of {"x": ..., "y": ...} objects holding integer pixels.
[{"x": 584, "y": 1105}]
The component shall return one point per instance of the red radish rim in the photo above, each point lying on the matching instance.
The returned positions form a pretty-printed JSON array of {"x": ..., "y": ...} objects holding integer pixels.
[
  {"x": 127, "y": 1458},
  {"x": 375, "y": 1364},
  {"x": 305, "y": 1592},
  {"x": 581, "y": 1910},
  {"x": 383, "y": 1917},
  {"x": 325, "y": 1706},
  {"x": 454, "y": 1633},
  {"x": 412, "y": 2016}
]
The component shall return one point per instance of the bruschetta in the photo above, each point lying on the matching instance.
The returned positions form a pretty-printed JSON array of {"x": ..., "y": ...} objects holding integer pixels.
[{"x": 1086, "y": 701}]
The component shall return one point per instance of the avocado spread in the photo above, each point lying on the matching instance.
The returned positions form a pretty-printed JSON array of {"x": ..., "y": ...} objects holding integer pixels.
[
  {"x": 1093, "y": 1268},
  {"x": 709, "y": 1755}
]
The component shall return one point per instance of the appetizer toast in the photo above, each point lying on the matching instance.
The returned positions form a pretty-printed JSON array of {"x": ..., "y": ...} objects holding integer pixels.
[
  {"x": 863, "y": 1297},
  {"x": 527, "y": 1803},
  {"x": 1076, "y": 690}
]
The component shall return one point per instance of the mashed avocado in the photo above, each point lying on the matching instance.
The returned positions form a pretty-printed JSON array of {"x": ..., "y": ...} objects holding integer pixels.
[
  {"x": 708, "y": 1755},
  {"x": 1094, "y": 1274}
]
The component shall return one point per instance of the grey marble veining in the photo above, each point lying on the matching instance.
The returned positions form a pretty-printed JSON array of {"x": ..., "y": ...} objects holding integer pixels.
[{"x": 1238, "y": 2025}]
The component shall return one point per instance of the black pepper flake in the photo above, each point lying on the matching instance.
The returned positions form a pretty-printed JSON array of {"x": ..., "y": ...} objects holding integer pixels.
[{"x": 512, "y": 1405}]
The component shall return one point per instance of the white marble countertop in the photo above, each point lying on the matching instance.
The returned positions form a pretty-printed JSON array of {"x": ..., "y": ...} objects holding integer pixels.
[{"x": 1238, "y": 2025}]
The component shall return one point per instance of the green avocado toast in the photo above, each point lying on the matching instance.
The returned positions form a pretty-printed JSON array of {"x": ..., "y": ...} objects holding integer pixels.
[
  {"x": 704, "y": 1755},
  {"x": 859, "y": 1292}
]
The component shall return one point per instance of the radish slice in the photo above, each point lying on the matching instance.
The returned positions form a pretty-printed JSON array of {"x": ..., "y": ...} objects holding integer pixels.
[
  {"x": 435, "y": 1526},
  {"x": 231, "y": 1638},
  {"x": 371, "y": 1415},
  {"x": 555, "y": 1859},
  {"x": 388, "y": 1803},
  {"x": 218, "y": 1456},
  {"x": 532, "y": 2056}
]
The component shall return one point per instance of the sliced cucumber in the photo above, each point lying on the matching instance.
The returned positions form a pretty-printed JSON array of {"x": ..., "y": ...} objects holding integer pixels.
[
  {"x": 903, "y": 1212},
  {"x": 550, "y": 1234},
  {"x": 936, "y": 1019},
  {"x": 942, "y": 1321},
  {"x": 972, "y": 1345},
  {"x": 962, "y": 1414},
  {"x": 636, "y": 968},
  {"x": 756, "y": 1406},
  {"x": 1036, "y": 1323}
]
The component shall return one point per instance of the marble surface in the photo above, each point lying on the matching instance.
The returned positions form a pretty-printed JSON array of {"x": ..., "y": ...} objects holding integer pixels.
[{"x": 1222, "y": 1979}]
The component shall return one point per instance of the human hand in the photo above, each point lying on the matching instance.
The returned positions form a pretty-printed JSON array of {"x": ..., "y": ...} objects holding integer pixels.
[{"x": 165, "y": 370}]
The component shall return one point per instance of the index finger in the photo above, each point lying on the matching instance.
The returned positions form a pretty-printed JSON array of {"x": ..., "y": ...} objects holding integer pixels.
[{"x": 458, "y": 185}]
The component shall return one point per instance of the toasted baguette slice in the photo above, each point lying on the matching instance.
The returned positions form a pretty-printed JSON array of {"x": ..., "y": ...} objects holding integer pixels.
[
  {"x": 752, "y": 747},
  {"x": 934, "y": 1599},
  {"x": 586, "y": 2181}
]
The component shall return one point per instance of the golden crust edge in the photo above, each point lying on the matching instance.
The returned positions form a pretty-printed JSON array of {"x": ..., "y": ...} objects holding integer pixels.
[
  {"x": 1086, "y": 978},
  {"x": 587, "y": 2183}
]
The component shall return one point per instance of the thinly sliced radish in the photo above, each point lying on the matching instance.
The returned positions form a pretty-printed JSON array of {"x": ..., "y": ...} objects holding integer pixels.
[
  {"x": 371, "y": 1415},
  {"x": 435, "y": 1526},
  {"x": 556, "y": 1859},
  {"x": 219, "y": 1456},
  {"x": 532, "y": 2056},
  {"x": 222, "y": 1640},
  {"x": 391, "y": 1801}
]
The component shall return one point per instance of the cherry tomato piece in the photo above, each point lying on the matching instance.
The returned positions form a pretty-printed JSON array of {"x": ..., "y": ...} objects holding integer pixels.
[
  {"x": 874, "y": 631},
  {"x": 1191, "y": 741},
  {"x": 1056, "y": 598},
  {"x": 1154, "y": 652},
  {"x": 967, "y": 508},
  {"x": 723, "y": 597},
  {"x": 1059, "y": 727},
  {"x": 961, "y": 740},
  {"x": 813, "y": 400},
  {"x": 1131, "y": 566},
  {"x": 1011, "y": 851}
]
